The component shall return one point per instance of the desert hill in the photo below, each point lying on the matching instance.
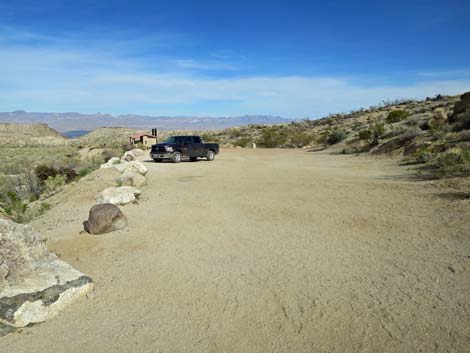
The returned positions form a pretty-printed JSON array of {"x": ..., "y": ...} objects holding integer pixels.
[{"x": 29, "y": 134}]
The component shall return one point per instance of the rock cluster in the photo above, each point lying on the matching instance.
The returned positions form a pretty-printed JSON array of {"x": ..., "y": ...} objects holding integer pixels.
[
  {"x": 34, "y": 284},
  {"x": 106, "y": 216}
]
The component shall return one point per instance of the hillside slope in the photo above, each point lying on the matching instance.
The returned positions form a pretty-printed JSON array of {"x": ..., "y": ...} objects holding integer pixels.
[
  {"x": 29, "y": 134},
  {"x": 434, "y": 132}
]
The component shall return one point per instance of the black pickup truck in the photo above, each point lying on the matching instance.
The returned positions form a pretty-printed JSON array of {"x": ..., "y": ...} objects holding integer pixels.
[{"x": 175, "y": 148}]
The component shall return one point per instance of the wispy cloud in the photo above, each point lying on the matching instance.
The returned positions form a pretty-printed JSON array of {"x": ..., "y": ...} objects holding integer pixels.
[{"x": 44, "y": 73}]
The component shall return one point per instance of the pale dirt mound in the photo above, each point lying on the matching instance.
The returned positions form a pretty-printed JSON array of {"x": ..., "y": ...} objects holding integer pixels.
[{"x": 267, "y": 251}]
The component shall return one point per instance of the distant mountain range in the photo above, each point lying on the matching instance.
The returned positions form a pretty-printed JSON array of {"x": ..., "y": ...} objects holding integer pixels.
[{"x": 75, "y": 124}]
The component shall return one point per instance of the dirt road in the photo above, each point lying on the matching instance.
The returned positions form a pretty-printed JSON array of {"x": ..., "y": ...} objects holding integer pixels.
[{"x": 267, "y": 251}]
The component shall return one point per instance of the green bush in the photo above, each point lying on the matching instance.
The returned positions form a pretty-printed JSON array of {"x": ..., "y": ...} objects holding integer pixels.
[
  {"x": 300, "y": 139},
  {"x": 84, "y": 172},
  {"x": 242, "y": 142},
  {"x": 378, "y": 130},
  {"x": 208, "y": 137},
  {"x": 12, "y": 207},
  {"x": 44, "y": 172},
  {"x": 271, "y": 137},
  {"x": 396, "y": 115},
  {"x": 365, "y": 134},
  {"x": 53, "y": 183},
  {"x": 336, "y": 136},
  {"x": 453, "y": 163}
]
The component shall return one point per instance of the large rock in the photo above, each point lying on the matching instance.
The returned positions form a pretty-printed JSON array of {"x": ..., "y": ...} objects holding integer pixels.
[
  {"x": 128, "y": 156},
  {"x": 461, "y": 115},
  {"x": 105, "y": 218},
  {"x": 137, "y": 167},
  {"x": 121, "y": 167},
  {"x": 111, "y": 163},
  {"x": 137, "y": 152},
  {"x": 118, "y": 195},
  {"x": 34, "y": 284},
  {"x": 130, "y": 178}
]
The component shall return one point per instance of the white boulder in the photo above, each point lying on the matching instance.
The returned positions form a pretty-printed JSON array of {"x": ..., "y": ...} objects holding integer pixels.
[
  {"x": 118, "y": 195},
  {"x": 130, "y": 178},
  {"x": 111, "y": 163},
  {"x": 136, "y": 167},
  {"x": 128, "y": 156},
  {"x": 34, "y": 284}
]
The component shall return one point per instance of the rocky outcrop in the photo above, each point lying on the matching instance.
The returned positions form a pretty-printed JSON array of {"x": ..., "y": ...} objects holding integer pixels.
[
  {"x": 105, "y": 218},
  {"x": 118, "y": 195},
  {"x": 130, "y": 178},
  {"x": 461, "y": 115},
  {"x": 34, "y": 284}
]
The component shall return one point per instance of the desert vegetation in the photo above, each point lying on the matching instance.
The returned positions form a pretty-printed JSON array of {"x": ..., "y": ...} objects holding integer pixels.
[
  {"x": 37, "y": 162},
  {"x": 434, "y": 133}
]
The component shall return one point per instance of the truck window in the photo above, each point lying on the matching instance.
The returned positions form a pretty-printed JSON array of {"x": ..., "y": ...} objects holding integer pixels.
[
  {"x": 196, "y": 139},
  {"x": 187, "y": 140}
]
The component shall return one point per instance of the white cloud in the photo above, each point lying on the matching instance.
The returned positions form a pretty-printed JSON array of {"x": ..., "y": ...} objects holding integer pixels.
[{"x": 63, "y": 76}]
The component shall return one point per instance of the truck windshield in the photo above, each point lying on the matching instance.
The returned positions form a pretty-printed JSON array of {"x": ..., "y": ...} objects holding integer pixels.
[{"x": 171, "y": 139}]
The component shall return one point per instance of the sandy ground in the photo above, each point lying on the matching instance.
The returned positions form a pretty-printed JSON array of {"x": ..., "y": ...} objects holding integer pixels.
[{"x": 267, "y": 251}]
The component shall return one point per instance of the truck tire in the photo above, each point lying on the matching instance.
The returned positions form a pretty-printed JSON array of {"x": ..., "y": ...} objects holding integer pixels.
[
  {"x": 210, "y": 155},
  {"x": 176, "y": 157}
]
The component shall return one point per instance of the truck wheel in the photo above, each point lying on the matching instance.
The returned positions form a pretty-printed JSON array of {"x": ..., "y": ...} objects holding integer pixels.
[
  {"x": 176, "y": 158},
  {"x": 193, "y": 159},
  {"x": 157, "y": 160},
  {"x": 210, "y": 155}
]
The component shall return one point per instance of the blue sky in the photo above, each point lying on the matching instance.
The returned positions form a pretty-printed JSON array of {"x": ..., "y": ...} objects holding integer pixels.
[{"x": 291, "y": 58}]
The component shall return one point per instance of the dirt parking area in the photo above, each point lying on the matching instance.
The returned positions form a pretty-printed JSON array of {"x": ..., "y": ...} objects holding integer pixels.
[{"x": 268, "y": 251}]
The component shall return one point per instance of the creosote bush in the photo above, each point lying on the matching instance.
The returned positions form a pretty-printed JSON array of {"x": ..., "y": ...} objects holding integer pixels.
[
  {"x": 453, "y": 163},
  {"x": 397, "y": 115},
  {"x": 13, "y": 207},
  {"x": 336, "y": 136},
  {"x": 365, "y": 135}
]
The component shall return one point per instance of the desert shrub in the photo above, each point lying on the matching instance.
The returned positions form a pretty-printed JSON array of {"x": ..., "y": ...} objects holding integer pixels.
[
  {"x": 109, "y": 153},
  {"x": 235, "y": 132},
  {"x": 336, "y": 136},
  {"x": 423, "y": 157},
  {"x": 84, "y": 172},
  {"x": 44, "y": 172},
  {"x": 300, "y": 139},
  {"x": 396, "y": 115},
  {"x": 365, "y": 135},
  {"x": 242, "y": 142},
  {"x": 13, "y": 207},
  {"x": 208, "y": 137},
  {"x": 92, "y": 162},
  {"x": 53, "y": 183},
  {"x": 356, "y": 125},
  {"x": 453, "y": 163},
  {"x": 378, "y": 130},
  {"x": 271, "y": 137}
]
